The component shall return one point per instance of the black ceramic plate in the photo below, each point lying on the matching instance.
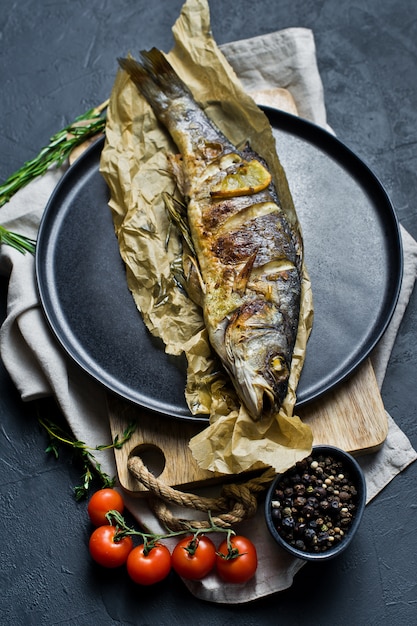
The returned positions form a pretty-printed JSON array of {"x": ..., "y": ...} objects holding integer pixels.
[{"x": 352, "y": 248}]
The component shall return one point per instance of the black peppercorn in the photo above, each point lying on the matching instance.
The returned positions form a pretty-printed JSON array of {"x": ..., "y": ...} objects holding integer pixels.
[
  {"x": 299, "y": 502},
  {"x": 299, "y": 489},
  {"x": 287, "y": 523},
  {"x": 324, "y": 505},
  {"x": 316, "y": 504}
]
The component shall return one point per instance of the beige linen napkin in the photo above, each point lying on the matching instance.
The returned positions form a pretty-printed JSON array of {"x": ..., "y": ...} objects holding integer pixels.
[{"x": 39, "y": 367}]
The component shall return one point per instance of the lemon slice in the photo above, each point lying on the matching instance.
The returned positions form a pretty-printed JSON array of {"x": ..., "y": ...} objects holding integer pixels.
[{"x": 246, "y": 178}]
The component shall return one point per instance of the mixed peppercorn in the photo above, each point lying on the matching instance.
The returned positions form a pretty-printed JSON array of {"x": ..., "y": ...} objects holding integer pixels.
[{"x": 314, "y": 504}]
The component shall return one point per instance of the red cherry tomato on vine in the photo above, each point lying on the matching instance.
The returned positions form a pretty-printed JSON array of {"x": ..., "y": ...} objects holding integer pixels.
[
  {"x": 147, "y": 568},
  {"x": 238, "y": 565},
  {"x": 101, "y": 502},
  {"x": 105, "y": 550},
  {"x": 193, "y": 558}
]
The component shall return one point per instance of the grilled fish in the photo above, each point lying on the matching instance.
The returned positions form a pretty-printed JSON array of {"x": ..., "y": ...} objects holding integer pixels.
[{"x": 248, "y": 255}]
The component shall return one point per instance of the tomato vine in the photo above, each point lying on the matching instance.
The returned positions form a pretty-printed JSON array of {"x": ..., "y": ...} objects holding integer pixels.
[{"x": 194, "y": 556}]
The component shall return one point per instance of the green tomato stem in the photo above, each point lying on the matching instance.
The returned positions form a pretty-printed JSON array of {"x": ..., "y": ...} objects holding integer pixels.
[{"x": 115, "y": 518}]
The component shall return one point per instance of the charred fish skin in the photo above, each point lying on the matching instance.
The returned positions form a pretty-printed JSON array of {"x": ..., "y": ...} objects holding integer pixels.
[{"x": 249, "y": 258}]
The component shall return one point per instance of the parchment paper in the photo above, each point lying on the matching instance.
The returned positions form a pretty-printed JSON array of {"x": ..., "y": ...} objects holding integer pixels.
[{"x": 135, "y": 166}]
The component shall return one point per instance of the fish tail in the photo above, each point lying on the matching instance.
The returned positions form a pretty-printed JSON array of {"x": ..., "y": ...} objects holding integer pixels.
[
  {"x": 158, "y": 66},
  {"x": 155, "y": 79},
  {"x": 171, "y": 100}
]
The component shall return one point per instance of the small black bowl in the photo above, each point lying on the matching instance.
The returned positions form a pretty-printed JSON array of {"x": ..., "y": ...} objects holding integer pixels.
[{"x": 307, "y": 500}]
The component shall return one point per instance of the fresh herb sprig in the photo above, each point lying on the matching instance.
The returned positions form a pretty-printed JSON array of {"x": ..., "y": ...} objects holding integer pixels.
[
  {"x": 20, "y": 242},
  {"x": 85, "y": 126},
  {"x": 91, "y": 467}
]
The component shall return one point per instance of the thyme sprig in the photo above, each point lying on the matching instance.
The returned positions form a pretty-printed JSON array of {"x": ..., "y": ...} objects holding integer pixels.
[
  {"x": 91, "y": 467},
  {"x": 85, "y": 126}
]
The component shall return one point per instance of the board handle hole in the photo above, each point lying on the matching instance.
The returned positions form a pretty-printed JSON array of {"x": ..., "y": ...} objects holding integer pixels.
[{"x": 152, "y": 457}]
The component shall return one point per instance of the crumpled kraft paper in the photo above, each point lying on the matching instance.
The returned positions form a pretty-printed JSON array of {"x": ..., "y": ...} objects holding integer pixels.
[{"x": 135, "y": 165}]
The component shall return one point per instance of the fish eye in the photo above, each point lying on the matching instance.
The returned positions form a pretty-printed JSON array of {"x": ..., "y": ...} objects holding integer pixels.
[
  {"x": 277, "y": 363},
  {"x": 278, "y": 367}
]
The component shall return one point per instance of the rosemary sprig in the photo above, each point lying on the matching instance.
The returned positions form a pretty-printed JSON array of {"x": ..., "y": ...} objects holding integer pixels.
[
  {"x": 91, "y": 467},
  {"x": 20, "y": 242},
  {"x": 178, "y": 214},
  {"x": 60, "y": 146}
]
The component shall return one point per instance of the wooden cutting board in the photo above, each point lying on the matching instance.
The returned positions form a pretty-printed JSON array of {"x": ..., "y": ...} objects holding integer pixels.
[{"x": 352, "y": 417}]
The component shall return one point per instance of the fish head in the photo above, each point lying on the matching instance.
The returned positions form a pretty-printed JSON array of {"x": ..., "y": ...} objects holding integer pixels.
[{"x": 257, "y": 355}]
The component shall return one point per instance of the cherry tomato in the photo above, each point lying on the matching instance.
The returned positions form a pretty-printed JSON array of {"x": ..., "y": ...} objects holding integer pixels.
[
  {"x": 240, "y": 564},
  {"x": 101, "y": 502},
  {"x": 147, "y": 568},
  {"x": 107, "y": 552},
  {"x": 193, "y": 558}
]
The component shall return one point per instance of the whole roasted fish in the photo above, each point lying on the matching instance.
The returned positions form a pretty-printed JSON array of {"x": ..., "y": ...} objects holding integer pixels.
[{"x": 249, "y": 257}]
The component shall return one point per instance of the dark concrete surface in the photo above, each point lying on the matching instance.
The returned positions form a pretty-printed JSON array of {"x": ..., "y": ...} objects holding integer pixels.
[{"x": 58, "y": 59}]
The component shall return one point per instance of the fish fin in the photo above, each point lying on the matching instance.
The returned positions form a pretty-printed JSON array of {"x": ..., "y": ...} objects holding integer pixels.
[
  {"x": 242, "y": 277},
  {"x": 157, "y": 65},
  {"x": 153, "y": 76},
  {"x": 138, "y": 74}
]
